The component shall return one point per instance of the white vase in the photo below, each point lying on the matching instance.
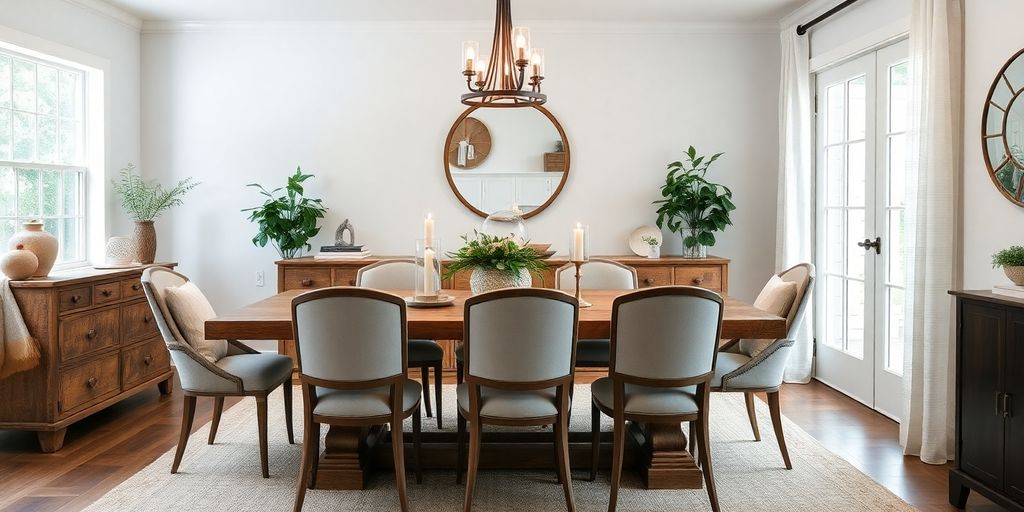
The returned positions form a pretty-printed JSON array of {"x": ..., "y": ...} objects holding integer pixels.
[
  {"x": 654, "y": 251},
  {"x": 487, "y": 279}
]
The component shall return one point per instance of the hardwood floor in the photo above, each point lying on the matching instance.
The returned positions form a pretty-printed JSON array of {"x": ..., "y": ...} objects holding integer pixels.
[{"x": 108, "y": 447}]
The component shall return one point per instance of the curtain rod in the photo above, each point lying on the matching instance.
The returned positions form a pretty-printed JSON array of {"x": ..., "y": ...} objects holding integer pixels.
[{"x": 802, "y": 29}]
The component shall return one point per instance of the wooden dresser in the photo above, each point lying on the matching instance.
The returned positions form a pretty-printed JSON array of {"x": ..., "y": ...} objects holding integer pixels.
[
  {"x": 306, "y": 273},
  {"x": 989, "y": 455},
  {"x": 99, "y": 345}
]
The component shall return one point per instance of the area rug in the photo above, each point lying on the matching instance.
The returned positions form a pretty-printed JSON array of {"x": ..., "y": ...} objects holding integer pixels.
[{"x": 749, "y": 475}]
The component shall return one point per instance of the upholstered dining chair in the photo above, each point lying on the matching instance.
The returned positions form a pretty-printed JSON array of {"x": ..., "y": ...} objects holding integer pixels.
[
  {"x": 398, "y": 274},
  {"x": 596, "y": 274},
  {"x": 756, "y": 366},
  {"x": 352, "y": 349},
  {"x": 242, "y": 371},
  {"x": 519, "y": 347},
  {"x": 664, "y": 342}
]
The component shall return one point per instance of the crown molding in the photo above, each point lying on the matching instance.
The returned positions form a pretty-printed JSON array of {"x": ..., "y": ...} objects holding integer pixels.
[
  {"x": 806, "y": 12},
  {"x": 110, "y": 12}
]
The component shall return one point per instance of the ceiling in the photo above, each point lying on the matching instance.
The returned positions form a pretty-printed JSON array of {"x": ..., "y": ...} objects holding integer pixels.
[{"x": 689, "y": 11}]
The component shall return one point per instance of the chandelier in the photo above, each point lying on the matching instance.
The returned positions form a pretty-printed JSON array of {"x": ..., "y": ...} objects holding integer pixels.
[{"x": 499, "y": 81}]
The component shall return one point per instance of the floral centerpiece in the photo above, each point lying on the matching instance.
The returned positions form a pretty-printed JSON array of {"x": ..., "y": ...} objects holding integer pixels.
[{"x": 496, "y": 262}]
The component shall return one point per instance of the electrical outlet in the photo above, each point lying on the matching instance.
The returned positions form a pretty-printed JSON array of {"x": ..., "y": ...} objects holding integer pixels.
[{"x": 259, "y": 278}]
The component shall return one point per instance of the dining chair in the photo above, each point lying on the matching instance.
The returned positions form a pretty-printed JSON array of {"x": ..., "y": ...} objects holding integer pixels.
[
  {"x": 352, "y": 350},
  {"x": 663, "y": 343},
  {"x": 595, "y": 274},
  {"x": 756, "y": 366},
  {"x": 241, "y": 372},
  {"x": 398, "y": 274},
  {"x": 519, "y": 346}
]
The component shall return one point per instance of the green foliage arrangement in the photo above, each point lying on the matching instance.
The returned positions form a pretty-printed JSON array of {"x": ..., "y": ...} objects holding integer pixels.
[
  {"x": 145, "y": 201},
  {"x": 692, "y": 203},
  {"x": 287, "y": 220},
  {"x": 1009, "y": 257},
  {"x": 494, "y": 253},
  {"x": 650, "y": 240}
]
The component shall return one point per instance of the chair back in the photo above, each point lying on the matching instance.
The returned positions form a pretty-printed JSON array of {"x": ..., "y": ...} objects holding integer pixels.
[
  {"x": 396, "y": 274},
  {"x": 349, "y": 335},
  {"x": 520, "y": 335},
  {"x": 665, "y": 336},
  {"x": 803, "y": 275},
  {"x": 597, "y": 274},
  {"x": 155, "y": 282}
]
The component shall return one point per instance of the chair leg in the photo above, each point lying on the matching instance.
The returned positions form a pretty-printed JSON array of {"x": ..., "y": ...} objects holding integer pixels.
[
  {"x": 776, "y": 411},
  {"x": 438, "y": 369},
  {"x": 218, "y": 408},
  {"x": 314, "y": 452},
  {"x": 749, "y": 397},
  {"x": 475, "y": 432},
  {"x": 287, "y": 389},
  {"x": 595, "y": 439},
  {"x": 416, "y": 418},
  {"x": 618, "y": 448},
  {"x": 705, "y": 459},
  {"x": 460, "y": 464},
  {"x": 261, "y": 418},
  {"x": 425, "y": 381},
  {"x": 305, "y": 470},
  {"x": 564, "y": 472},
  {"x": 188, "y": 413},
  {"x": 458, "y": 373},
  {"x": 398, "y": 446}
]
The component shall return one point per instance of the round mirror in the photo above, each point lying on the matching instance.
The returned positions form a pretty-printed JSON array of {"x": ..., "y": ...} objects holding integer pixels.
[
  {"x": 1003, "y": 129},
  {"x": 514, "y": 159}
]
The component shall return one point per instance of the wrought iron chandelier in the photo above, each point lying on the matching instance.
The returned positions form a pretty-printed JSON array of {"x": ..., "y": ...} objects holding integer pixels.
[{"x": 499, "y": 81}]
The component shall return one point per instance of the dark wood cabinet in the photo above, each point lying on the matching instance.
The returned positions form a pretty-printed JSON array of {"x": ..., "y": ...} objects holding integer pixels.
[{"x": 989, "y": 380}]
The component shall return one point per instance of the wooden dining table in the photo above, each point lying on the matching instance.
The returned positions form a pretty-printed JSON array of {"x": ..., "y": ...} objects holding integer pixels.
[{"x": 351, "y": 454}]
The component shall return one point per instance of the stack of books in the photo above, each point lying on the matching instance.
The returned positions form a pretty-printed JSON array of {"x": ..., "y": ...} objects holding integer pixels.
[
  {"x": 342, "y": 252},
  {"x": 1010, "y": 290}
]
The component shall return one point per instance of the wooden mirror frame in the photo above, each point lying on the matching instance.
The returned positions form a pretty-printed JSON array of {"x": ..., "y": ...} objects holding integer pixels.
[
  {"x": 465, "y": 202},
  {"x": 994, "y": 167}
]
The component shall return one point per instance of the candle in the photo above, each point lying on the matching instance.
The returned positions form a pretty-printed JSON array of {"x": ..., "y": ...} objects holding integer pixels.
[
  {"x": 428, "y": 273},
  {"x": 577, "y": 243},
  {"x": 428, "y": 231}
]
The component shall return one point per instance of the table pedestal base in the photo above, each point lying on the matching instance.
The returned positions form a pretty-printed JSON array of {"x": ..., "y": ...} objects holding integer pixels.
[
  {"x": 346, "y": 462},
  {"x": 665, "y": 462}
]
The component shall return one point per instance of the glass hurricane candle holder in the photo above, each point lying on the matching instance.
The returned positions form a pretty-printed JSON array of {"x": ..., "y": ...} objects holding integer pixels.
[
  {"x": 428, "y": 270},
  {"x": 579, "y": 248}
]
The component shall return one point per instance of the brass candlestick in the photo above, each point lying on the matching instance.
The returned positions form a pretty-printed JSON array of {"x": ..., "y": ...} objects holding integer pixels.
[{"x": 583, "y": 303}]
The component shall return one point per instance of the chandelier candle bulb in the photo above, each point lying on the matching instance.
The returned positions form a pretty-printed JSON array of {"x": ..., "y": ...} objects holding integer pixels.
[
  {"x": 522, "y": 42},
  {"x": 537, "y": 61},
  {"x": 470, "y": 51}
]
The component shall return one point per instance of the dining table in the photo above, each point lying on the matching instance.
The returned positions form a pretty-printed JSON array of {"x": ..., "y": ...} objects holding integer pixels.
[{"x": 352, "y": 454}]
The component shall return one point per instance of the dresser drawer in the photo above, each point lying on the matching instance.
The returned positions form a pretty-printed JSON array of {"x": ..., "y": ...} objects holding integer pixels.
[
  {"x": 137, "y": 322},
  {"x": 654, "y": 276},
  {"x": 346, "y": 277},
  {"x": 75, "y": 298},
  {"x": 131, "y": 288},
  {"x": 143, "y": 361},
  {"x": 709, "y": 277},
  {"x": 106, "y": 292},
  {"x": 85, "y": 383},
  {"x": 306, "y": 278},
  {"x": 89, "y": 333}
]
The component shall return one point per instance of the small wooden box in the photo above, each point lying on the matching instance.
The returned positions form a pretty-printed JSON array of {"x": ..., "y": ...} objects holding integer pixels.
[{"x": 554, "y": 162}]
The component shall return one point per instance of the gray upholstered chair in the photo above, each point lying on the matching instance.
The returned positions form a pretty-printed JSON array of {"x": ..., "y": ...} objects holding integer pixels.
[
  {"x": 519, "y": 345},
  {"x": 753, "y": 366},
  {"x": 664, "y": 342},
  {"x": 398, "y": 274},
  {"x": 243, "y": 372},
  {"x": 596, "y": 274},
  {"x": 352, "y": 350}
]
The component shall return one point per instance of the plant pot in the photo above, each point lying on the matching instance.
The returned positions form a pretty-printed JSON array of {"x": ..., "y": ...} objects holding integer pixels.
[
  {"x": 38, "y": 242},
  {"x": 654, "y": 251},
  {"x": 1016, "y": 274},
  {"x": 488, "y": 279},
  {"x": 697, "y": 251},
  {"x": 145, "y": 241},
  {"x": 19, "y": 264}
]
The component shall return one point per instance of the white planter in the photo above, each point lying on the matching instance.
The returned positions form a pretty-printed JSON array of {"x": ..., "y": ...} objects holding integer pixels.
[
  {"x": 485, "y": 280},
  {"x": 1016, "y": 274},
  {"x": 654, "y": 251}
]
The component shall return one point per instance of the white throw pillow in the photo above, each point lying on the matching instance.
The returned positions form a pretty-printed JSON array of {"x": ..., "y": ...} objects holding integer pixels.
[
  {"x": 776, "y": 297},
  {"x": 191, "y": 310}
]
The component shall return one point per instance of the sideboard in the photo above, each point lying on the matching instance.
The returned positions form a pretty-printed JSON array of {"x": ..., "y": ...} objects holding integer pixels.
[
  {"x": 306, "y": 273},
  {"x": 98, "y": 344}
]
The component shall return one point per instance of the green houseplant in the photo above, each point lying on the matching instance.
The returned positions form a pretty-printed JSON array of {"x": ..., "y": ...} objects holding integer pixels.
[
  {"x": 496, "y": 262},
  {"x": 145, "y": 201},
  {"x": 693, "y": 206},
  {"x": 288, "y": 219},
  {"x": 1011, "y": 260}
]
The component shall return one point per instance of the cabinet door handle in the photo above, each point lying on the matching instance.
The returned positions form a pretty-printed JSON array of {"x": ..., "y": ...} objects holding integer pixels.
[
  {"x": 698, "y": 280},
  {"x": 75, "y": 299},
  {"x": 146, "y": 319},
  {"x": 136, "y": 286},
  {"x": 648, "y": 280},
  {"x": 1007, "y": 405}
]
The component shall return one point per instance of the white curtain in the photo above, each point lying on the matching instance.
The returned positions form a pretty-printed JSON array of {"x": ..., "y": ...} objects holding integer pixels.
[
  {"x": 795, "y": 229},
  {"x": 933, "y": 233}
]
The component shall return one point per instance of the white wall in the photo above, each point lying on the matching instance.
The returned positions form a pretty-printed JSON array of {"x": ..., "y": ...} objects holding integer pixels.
[{"x": 367, "y": 108}]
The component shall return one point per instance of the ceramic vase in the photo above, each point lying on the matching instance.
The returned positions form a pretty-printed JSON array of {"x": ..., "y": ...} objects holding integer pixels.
[
  {"x": 653, "y": 251},
  {"x": 487, "y": 279},
  {"x": 38, "y": 242},
  {"x": 121, "y": 251},
  {"x": 1016, "y": 274},
  {"x": 19, "y": 264},
  {"x": 145, "y": 241}
]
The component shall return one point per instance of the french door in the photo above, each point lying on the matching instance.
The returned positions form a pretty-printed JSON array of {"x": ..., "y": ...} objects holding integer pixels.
[{"x": 861, "y": 123}]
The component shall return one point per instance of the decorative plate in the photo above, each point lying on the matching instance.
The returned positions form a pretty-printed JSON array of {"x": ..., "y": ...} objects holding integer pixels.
[
  {"x": 442, "y": 301},
  {"x": 636, "y": 242}
]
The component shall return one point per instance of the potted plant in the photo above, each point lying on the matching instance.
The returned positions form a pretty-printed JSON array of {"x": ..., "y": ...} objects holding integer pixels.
[
  {"x": 693, "y": 206},
  {"x": 496, "y": 262},
  {"x": 145, "y": 201},
  {"x": 286, "y": 220},
  {"x": 1012, "y": 262},
  {"x": 653, "y": 246}
]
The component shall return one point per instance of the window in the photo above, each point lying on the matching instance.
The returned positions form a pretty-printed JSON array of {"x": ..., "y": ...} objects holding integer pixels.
[{"x": 42, "y": 151}]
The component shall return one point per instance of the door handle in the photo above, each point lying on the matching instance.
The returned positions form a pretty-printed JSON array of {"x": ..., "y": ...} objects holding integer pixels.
[
  {"x": 1007, "y": 405},
  {"x": 868, "y": 243}
]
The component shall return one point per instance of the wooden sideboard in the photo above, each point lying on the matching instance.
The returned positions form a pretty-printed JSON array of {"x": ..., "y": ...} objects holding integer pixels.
[
  {"x": 306, "y": 273},
  {"x": 989, "y": 456},
  {"x": 98, "y": 343}
]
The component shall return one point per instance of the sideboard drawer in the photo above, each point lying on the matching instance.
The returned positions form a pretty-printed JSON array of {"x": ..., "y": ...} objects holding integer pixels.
[
  {"x": 143, "y": 361},
  {"x": 89, "y": 333},
  {"x": 654, "y": 276},
  {"x": 346, "y": 277},
  {"x": 106, "y": 292},
  {"x": 92, "y": 380},
  {"x": 705, "y": 277},
  {"x": 131, "y": 288},
  {"x": 137, "y": 322},
  {"x": 75, "y": 298},
  {"x": 306, "y": 278}
]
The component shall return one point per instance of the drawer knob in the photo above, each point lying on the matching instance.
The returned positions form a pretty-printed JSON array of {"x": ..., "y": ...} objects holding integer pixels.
[
  {"x": 91, "y": 334},
  {"x": 698, "y": 280},
  {"x": 136, "y": 287},
  {"x": 75, "y": 299},
  {"x": 148, "y": 360},
  {"x": 106, "y": 293},
  {"x": 146, "y": 319},
  {"x": 648, "y": 280},
  {"x": 307, "y": 282},
  {"x": 91, "y": 383}
]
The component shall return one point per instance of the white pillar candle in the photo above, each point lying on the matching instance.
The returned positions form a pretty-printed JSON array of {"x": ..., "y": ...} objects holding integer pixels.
[
  {"x": 577, "y": 243},
  {"x": 428, "y": 231},
  {"x": 428, "y": 273}
]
